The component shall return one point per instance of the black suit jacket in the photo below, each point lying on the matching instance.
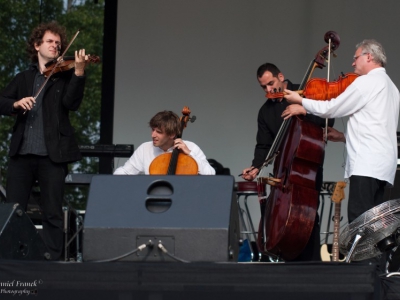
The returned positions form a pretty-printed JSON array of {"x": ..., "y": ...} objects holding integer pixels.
[{"x": 63, "y": 93}]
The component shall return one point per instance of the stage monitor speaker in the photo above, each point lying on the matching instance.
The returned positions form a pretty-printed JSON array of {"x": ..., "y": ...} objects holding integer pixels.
[
  {"x": 194, "y": 218},
  {"x": 19, "y": 238}
]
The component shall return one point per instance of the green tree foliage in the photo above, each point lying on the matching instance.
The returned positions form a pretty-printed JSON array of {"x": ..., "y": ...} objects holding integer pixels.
[{"x": 17, "y": 19}]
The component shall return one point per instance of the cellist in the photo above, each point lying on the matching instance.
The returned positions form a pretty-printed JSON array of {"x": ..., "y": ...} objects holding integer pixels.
[
  {"x": 269, "y": 121},
  {"x": 165, "y": 128},
  {"x": 372, "y": 104}
]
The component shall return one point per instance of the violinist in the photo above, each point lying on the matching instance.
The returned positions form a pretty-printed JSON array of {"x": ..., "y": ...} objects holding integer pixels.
[
  {"x": 269, "y": 121},
  {"x": 165, "y": 127},
  {"x": 372, "y": 104},
  {"x": 43, "y": 142}
]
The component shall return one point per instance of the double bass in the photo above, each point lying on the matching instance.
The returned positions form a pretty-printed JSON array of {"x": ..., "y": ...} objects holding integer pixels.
[
  {"x": 176, "y": 162},
  {"x": 298, "y": 153}
]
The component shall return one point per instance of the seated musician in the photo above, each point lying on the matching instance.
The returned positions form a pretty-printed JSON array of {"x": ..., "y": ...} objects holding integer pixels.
[{"x": 165, "y": 127}]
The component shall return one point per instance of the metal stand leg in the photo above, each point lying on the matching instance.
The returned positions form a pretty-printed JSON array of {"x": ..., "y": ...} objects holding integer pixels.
[
  {"x": 326, "y": 190},
  {"x": 250, "y": 219},
  {"x": 66, "y": 231},
  {"x": 79, "y": 226},
  {"x": 246, "y": 231},
  {"x": 253, "y": 231},
  {"x": 78, "y": 223},
  {"x": 356, "y": 240}
]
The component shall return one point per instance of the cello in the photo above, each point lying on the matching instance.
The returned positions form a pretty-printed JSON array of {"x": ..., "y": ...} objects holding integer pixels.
[
  {"x": 176, "y": 162},
  {"x": 298, "y": 152}
]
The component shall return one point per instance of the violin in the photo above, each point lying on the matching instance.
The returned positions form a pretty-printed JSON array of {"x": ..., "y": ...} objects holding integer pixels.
[
  {"x": 65, "y": 64},
  {"x": 176, "y": 162},
  {"x": 320, "y": 88}
]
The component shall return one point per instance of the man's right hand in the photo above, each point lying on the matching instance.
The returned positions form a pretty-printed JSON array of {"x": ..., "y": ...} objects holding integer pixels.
[
  {"x": 25, "y": 103},
  {"x": 335, "y": 135},
  {"x": 249, "y": 174}
]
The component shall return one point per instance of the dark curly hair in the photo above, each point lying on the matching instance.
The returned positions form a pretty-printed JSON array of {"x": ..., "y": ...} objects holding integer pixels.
[{"x": 37, "y": 34}]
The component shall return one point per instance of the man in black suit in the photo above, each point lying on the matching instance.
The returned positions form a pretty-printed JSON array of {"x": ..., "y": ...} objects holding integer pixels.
[{"x": 43, "y": 142}]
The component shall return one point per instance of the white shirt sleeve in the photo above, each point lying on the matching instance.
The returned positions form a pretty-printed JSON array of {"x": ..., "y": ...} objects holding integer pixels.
[
  {"x": 204, "y": 166},
  {"x": 135, "y": 164}
]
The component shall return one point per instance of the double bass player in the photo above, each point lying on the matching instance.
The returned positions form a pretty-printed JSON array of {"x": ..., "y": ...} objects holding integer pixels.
[{"x": 269, "y": 121}]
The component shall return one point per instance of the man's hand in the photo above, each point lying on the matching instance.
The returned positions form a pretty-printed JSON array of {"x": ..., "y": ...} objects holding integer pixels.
[
  {"x": 335, "y": 135},
  {"x": 293, "y": 110},
  {"x": 25, "y": 103},
  {"x": 80, "y": 62},
  {"x": 250, "y": 174},
  {"x": 179, "y": 144},
  {"x": 293, "y": 97}
]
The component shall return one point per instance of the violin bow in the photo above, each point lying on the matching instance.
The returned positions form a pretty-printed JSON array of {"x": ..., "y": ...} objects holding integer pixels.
[{"x": 59, "y": 59}]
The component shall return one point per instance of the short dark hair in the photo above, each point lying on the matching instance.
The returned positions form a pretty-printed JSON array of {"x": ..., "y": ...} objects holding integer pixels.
[
  {"x": 268, "y": 67},
  {"x": 168, "y": 121},
  {"x": 37, "y": 34}
]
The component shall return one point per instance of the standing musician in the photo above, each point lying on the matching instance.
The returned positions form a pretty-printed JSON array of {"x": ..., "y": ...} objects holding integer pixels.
[
  {"x": 269, "y": 121},
  {"x": 42, "y": 142},
  {"x": 165, "y": 127},
  {"x": 372, "y": 104}
]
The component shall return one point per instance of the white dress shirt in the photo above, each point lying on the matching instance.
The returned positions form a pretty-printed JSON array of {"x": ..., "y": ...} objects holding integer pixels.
[
  {"x": 372, "y": 104},
  {"x": 141, "y": 159}
]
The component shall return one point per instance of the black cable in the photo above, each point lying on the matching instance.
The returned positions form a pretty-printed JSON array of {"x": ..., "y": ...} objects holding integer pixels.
[
  {"x": 164, "y": 250},
  {"x": 140, "y": 248}
]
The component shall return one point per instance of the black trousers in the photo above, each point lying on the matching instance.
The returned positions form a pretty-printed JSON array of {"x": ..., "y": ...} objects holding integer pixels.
[
  {"x": 364, "y": 194},
  {"x": 23, "y": 172}
]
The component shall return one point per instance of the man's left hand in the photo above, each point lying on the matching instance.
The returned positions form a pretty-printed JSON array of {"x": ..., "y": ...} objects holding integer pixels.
[
  {"x": 293, "y": 110},
  {"x": 179, "y": 144},
  {"x": 80, "y": 62}
]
